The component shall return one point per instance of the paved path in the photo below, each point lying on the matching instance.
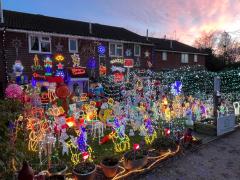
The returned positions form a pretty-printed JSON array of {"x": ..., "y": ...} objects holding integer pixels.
[{"x": 215, "y": 161}]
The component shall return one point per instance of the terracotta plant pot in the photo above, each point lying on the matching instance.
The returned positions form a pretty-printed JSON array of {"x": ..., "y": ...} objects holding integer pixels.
[
  {"x": 138, "y": 163},
  {"x": 109, "y": 170},
  {"x": 85, "y": 176}
]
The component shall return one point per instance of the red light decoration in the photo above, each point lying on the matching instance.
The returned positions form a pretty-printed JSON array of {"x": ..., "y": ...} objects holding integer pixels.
[
  {"x": 78, "y": 71},
  {"x": 70, "y": 121},
  {"x": 85, "y": 155},
  {"x": 167, "y": 132},
  {"x": 136, "y": 147},
  {"x": 128, "y": 63},
  {"x": 118, "y": 77},
  {"x": 102, "y": 70}
]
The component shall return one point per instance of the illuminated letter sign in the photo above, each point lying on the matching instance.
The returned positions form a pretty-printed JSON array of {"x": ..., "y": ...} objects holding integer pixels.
[
  {"x": 119, "y": 61},
  {"x": 78, "y": 71}
]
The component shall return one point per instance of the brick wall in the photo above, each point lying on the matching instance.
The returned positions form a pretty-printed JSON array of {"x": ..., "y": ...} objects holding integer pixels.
[
  {"x": 174, "y": 60},
  {"x": 86, "y": 49}
]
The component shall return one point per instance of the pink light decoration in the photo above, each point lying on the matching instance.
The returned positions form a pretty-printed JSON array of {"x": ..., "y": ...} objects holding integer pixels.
[
  {"x": 14, "y": 91},
  {"x": 136, "y": 147}
]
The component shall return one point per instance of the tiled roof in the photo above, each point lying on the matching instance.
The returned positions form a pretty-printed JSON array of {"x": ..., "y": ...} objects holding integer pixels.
[
  {"x": 172, "y": 45},
  {"x": 35, "y": 22}
]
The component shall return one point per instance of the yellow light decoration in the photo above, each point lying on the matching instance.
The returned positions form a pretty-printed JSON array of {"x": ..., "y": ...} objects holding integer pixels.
[
  {"x": 168, "y": 114},
  {"x": 75, "y": 154},
  {"x": 124, "y": 173},
  {"x": 105, "y": 114},
  {"x": 83, "y": 97},
  {"x": 110, "y": 101},
  {"x": 149, "y": 139},
  {"x": 37, "y": 130},
  {"x": 59, "y": 58},
  {"x": 120, "y": 144}
]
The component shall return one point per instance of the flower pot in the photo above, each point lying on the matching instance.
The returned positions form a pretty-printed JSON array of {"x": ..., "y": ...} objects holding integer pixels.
[
  {"x": 59, "y": 174},
  {"x": 135, "y": 163},
  {"x": 86, "y": 176},
  {"x": 109, "y": 171}
]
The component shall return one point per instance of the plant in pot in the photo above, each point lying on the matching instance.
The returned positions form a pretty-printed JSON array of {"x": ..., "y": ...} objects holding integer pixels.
[
  {"x": 110, "y": 166},
  {"x": 85, "y": 170},
  {"x": 57, "y": 171},
  {"x": 135, "y": 159}
]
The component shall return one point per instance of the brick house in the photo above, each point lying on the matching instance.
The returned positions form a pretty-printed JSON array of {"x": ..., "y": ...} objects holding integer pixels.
[
  {"x": 25, "y": 35},
  {"x": 169, "y": 54}
]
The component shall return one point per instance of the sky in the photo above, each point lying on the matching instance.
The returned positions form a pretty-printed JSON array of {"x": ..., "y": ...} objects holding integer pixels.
[{"x": 183, "y": 20}]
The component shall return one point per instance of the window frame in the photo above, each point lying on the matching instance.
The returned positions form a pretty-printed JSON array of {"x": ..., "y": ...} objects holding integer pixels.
[
  {"x": 115, "y": 49},
  {"x": 195, "y": 58},
  {"x": 40, "y": 40},
  {"x": 164, "y": 59},
  {"x": 184, "y": 60},
  {"x": 73, "y": 39},
  {"x": 137, "y": 55}
]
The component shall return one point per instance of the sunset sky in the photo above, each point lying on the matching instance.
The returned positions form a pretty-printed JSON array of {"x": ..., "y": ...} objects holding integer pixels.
[{"x": 162, "y": 17}]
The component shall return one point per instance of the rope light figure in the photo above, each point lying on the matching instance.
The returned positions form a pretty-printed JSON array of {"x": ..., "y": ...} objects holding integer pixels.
[
  {"x": 151, "y": 134},
  {"x": 120, "y": 140}
]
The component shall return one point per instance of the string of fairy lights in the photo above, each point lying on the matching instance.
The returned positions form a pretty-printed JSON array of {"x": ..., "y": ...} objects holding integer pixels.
[{"x": 196, "y": 80}]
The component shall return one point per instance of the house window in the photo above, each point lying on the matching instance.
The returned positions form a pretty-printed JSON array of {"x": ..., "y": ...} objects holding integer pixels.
[
  {"x": 164, "y": 56},
  {"x": 195, "y": 58},
  {"x": 39, "y": 44},
  {"x": 137, "y": 50},
  {"x": 184, "y": 58},
  {"x": 116, "y": 50},
  {"x": 73, "y": 45}
]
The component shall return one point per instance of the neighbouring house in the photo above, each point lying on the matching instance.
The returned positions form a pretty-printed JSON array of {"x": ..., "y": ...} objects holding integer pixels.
[
  {"x": 24, "y": 35},
  {"x": 169, "y": 54}
]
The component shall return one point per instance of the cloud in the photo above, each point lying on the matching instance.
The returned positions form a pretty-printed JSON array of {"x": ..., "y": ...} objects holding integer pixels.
[{"x": 187, "y": 18}]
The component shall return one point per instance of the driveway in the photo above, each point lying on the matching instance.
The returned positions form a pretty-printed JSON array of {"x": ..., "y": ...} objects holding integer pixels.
[{"x": 217, "y": 160}]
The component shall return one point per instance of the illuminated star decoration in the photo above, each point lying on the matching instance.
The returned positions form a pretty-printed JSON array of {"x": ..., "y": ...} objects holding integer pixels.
[
  {"x": 128, "y": 52},
  {"x": 60, "y": 66},
  {"x": 101, "y": 49},
  {"x": 176, "y": 88},
  {"x": 147, "y": 54}
]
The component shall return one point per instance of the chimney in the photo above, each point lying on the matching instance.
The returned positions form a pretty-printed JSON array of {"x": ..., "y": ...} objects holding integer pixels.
[
  {"x": 165, "y": 36},
  {"x": 1, "y": 12},
  {"x": 90, "y": 28},
  {"x": 171, "y": 46},
  {"x": 147, "y": 34}
]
